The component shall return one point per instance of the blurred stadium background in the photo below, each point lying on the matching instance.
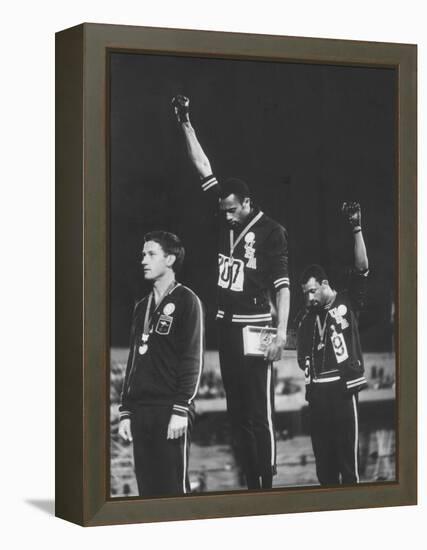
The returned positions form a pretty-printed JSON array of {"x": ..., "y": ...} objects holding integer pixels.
[{"x": 212, "y": 465}]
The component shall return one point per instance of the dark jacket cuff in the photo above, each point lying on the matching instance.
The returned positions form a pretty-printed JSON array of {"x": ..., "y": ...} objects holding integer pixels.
[
  {"x": 209, "y": 182},
  {"x": 180, "y": 410},
  {"x": 281, "y": 282},
  {"x": 123, "y": 414},
  {"x": 355, "y": 385}
]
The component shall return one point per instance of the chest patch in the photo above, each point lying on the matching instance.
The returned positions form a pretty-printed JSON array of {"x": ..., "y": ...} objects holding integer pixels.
[
  {"x": 339, "y": 313},
  {"x": 164, "y": 324},
  {"x": 169, "y": 309},
  {"x": 250, "y": 250}
]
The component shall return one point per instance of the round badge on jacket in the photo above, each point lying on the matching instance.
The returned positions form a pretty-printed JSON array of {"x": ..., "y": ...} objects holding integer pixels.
[
  {"x": 169, "y": 309},
  {"x": 342, "y": 310}
]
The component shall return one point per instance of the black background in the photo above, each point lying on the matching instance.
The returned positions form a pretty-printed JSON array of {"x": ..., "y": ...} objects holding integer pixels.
[{"x": 305, "y": 138}]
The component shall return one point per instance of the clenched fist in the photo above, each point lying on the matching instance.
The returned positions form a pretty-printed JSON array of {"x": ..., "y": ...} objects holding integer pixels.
[
  {"x": 352, "y": 214},
  {"x": 181, "y": 107}
]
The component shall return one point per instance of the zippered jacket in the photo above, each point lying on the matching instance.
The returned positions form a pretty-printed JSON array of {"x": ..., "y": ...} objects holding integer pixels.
[
  {"x": 328, "y": 343},
  {"x": 168, "y": 369},
  {"x": 257, "y": 264}
]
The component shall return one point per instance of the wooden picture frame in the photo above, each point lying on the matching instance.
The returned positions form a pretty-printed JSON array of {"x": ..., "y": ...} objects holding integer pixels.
[{"x": 82, "y": 284}]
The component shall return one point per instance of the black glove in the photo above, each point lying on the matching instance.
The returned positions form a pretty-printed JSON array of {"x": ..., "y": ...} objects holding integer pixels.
[
  {"x": 352, "y": 214},
  {"x": 181, "y": 107}
]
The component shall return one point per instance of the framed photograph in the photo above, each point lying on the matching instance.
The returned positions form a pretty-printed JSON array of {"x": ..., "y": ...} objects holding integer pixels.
[{"x": 286, "y": 169}]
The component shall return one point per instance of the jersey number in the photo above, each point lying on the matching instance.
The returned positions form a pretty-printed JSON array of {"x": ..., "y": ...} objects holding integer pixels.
[
  {"x": 339, "y": 347},
  {"x": 231, "y": 273}
]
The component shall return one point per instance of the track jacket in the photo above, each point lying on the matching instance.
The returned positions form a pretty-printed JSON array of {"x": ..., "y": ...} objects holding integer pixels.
[
  {"x": 328, "y": 343},
  {"x": 257, "y": 263},
  {"x": 168, "y": 371}
]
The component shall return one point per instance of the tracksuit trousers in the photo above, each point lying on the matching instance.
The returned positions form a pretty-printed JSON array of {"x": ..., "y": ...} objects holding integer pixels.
[
  {"x": 161, "y": 464},
  {"x": 249, "y": 388},
  {"x": 334, "y": 433}
]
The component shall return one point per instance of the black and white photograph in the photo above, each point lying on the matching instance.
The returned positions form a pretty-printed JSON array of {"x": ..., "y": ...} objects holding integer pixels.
[
  {"x": 252, "y": 274},
  {"x": 140, "y": 141}
]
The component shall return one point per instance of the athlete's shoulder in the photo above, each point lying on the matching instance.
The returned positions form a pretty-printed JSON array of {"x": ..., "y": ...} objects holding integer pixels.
[
  {"x": 271, "y": 224},
  {"x": 343, "y": 298},
  {"x": 273, "y": 232},
  {"x": 187, "y": 300},
  {"x": 185, "y": 293}
]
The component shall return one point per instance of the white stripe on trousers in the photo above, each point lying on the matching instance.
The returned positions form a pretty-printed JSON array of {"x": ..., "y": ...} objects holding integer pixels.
[
  {"x": 185, "y": 464},
  {"x": 356, "y": 438},
  {"x": 269, "y": 414}
]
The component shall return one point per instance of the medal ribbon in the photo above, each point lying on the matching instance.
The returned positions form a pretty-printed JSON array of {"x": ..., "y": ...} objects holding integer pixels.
[
  {"x": 243, "y": 233},
  {"x": 148, "y": 317},
  {"x": 321, "y": 329},
  {"x": 319, "y": 326}
]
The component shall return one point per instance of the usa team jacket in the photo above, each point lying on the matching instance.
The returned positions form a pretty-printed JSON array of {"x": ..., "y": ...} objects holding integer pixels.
[
  {"x": 328, "y": 343},
  {"x": 258, "y": 263},
  {"x": 169, "y": 370}
]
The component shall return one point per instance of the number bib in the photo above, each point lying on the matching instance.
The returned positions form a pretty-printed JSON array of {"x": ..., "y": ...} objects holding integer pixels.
[
  {"x": 339, "y": 346},
  {"x": 231, "y": 273}
]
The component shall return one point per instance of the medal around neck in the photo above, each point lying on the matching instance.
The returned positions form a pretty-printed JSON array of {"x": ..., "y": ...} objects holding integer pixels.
[
  {"x": 143, "y": 349},
  {"x": 144, "y": 346}
]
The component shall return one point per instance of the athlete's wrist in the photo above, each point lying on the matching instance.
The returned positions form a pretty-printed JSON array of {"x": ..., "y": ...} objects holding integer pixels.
[{"x": 281, "y": 337}]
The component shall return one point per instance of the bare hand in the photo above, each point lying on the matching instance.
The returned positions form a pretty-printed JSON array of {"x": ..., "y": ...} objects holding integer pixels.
[
  {"x": 177, "y": 426},
  {"x": 124, "y": 429},
  {"x": 274, "y": 350}
]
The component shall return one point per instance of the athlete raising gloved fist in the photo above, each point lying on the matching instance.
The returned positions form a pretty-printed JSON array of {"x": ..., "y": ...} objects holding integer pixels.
[
  {"x": 252, "y": 261},
  {"x": 329, "y": 353},
  {"x": 352, "y": 213}
]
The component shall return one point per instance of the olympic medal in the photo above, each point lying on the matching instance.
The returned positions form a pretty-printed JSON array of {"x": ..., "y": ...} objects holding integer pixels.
[{"x": 143, "y": 349}]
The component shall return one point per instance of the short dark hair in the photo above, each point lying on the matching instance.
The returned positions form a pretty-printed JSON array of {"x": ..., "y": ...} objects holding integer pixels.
[
  {"x": 171, "y": 244},
  {"x": 235, "y": 186},
  {"x": 313, "y": 270}
]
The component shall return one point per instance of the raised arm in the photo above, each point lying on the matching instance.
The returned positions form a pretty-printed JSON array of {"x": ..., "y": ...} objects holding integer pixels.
[
  {"x": 358, "y": 281},
  {"x": 198, "y": 158},
  {"x": 352, "y": 212}
]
